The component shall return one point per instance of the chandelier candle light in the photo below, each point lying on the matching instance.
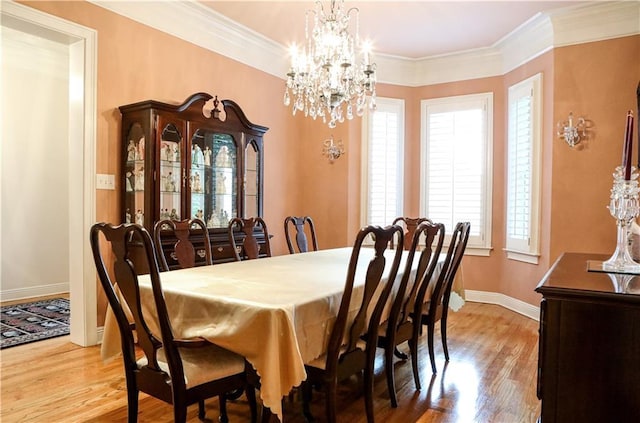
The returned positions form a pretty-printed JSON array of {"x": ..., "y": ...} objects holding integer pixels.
[
  {"x": 624, "y": 205},
  {"x": 334, "y": 68}
]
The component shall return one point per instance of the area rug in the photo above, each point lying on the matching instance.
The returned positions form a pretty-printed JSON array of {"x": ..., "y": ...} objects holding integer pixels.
[{"x": 34, "y": 321}]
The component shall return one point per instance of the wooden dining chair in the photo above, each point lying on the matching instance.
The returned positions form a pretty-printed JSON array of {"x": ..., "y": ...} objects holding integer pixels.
[
  {"x": 410, "y": 224},
  {"x": 178, "y": 371},
  {"x": 302, "y": 241},
  {"x": 352, "y": 344},
  {"x": 400, "y": 326},
  {"x": 436, "y": 306},
  {"x": 250, "y": 247},
  {"x": 185, "y": 242}
]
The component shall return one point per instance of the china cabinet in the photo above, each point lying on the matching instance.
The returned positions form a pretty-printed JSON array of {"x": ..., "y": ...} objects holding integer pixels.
[{"x": 199, "y": 159}]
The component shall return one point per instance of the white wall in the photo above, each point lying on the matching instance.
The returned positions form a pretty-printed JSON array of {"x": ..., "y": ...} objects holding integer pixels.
[{"x": 34, "y": 227}]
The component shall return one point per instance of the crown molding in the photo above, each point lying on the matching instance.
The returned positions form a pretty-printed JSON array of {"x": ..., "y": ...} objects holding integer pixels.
[
  {"x": 478, "y": 63},
  {"x": 207, "y": 28},
  {"x": 595, "y": 22}
]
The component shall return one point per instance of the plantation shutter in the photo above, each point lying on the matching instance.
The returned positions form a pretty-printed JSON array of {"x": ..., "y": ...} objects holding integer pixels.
[
  {"x": 384, "y": 172},
  {"x": 455, "y": 169},
  {"x": 519, "y": 172},
  {"x": 523, "y": 174}
]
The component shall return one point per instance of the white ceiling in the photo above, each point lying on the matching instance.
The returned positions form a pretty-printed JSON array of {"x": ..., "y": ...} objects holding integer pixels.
[{"x": 409, "y": 29}]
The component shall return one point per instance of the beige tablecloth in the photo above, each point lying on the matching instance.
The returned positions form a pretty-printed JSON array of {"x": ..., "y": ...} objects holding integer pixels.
[{"x": 277, "y": 312}]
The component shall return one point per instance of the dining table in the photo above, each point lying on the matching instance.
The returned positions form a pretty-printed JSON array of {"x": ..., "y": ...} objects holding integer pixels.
[{"x": 277, "y": 312}]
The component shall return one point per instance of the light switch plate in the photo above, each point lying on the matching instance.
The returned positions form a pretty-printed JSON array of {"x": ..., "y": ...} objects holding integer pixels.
[{"x": 104, "y": 181}]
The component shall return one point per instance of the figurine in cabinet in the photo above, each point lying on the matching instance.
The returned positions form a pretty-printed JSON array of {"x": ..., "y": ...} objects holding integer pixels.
[
  {"x": 197, "y": 184},
  {"x": 207, "y": 155},
  {"x": 220, "y": 184},
  {"x": 197, "y": 158},
  {"x": 141, "y": 149},
  {"x": 165, "y": 152},
  {"x": 127, "y": 182},
  {"x": 170, "y": 183},
  {"x": 139, "y": 217},
  {"x": 139, "y": 179},
  {"x": 131, "y": 151},
  {"x": 222, "y": 159}
]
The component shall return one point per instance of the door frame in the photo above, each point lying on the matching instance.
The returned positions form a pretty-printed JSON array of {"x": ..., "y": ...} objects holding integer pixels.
[{"x": 82, "y": 44}]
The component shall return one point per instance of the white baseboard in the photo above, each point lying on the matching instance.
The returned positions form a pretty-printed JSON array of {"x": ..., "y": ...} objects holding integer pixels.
[
  {"x": 513, "y": 304},
  {"x": 100, "y": 334},
  {"x": 34, "y": 291}
]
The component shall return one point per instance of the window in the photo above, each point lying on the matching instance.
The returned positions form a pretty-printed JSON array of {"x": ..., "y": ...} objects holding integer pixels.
[
  {"x": 456, "y": 170},
  {"x": 382, "y": 162},
  {"x": 523, "y": 170}
]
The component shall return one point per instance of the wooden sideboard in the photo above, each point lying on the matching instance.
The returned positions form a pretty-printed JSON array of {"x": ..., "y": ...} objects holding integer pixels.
[{"x": 589, "y": 351}]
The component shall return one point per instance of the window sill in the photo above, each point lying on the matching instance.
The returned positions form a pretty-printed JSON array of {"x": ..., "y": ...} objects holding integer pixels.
[
  {"x": 522, "y": 256},
  {"x": 473, "y": 251}
]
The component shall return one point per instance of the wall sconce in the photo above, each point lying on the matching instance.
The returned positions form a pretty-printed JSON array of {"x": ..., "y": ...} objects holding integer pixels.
[
  {"x": 572, "y": 130},
  {"x": 332, "y": 150}
]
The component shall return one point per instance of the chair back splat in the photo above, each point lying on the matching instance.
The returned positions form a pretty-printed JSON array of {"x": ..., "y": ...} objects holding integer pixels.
[
  {"x": 410, "y": 226},
  {"x": 250, "y": 247},
  {"x": 185, "y": 242},
  {"x": 302, "y": 242},
  {"x": 352, "y": 344},
  {"x": 178, "y": 371}
]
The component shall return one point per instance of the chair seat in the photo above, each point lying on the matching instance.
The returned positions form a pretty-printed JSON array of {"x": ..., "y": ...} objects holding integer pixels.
[
  {"x": 203, "y": 364},
  {"x": 382, "y": 329},
  {"x": 321, "y": 362}
]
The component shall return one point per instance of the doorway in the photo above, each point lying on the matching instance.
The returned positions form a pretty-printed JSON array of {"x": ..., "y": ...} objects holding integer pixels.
[{"x": 72, "y": 49}]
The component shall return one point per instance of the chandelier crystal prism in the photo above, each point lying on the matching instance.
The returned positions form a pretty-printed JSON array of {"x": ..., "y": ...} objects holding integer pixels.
[{"x": 333, "y": 74}]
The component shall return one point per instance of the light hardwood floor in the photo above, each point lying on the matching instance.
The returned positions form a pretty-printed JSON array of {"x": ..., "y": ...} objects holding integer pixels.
[{"x": 491, "y": 377}]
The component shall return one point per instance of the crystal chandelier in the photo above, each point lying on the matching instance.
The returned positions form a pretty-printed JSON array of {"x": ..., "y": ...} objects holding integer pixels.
[{"x": 333, "y": 70}]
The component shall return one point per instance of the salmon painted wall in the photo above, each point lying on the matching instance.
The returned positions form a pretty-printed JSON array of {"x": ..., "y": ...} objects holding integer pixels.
[{"x": 598, "y": 81}]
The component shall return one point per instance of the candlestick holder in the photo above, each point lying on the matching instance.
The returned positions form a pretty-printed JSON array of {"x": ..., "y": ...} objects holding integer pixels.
[
  {"x": 623, "y": 282},
  {"x": 624, "y": 207}
]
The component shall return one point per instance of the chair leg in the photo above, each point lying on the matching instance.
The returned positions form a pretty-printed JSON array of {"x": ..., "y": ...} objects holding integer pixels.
[
  {"x": 430, "y": 330},
  {"x": 201, "y": 410},
  {"x": 331, "y": 389},
  {"x": 307, "y": 388},
  {"x": 265, "y": 416},
  {"x": 368, "y": 393},
  {"x": 253, "y": 406},
  {"x": 132, "y": 400},
  {"x": 179, "y": 413},
  {"x": 443, "y": 331},
  {"x": 223, "y": 409},
  {"x": 413, "y": 347},
  {"x": 389, "y": 370}
]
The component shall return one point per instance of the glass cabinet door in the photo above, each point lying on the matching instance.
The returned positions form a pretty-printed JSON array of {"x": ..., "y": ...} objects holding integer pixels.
[
  {"x": 134, "y": 206},
  {"x": 213, "y": 176},
  {"x": 170, "y": 173},
  {"x": 251, "y": 182}
]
